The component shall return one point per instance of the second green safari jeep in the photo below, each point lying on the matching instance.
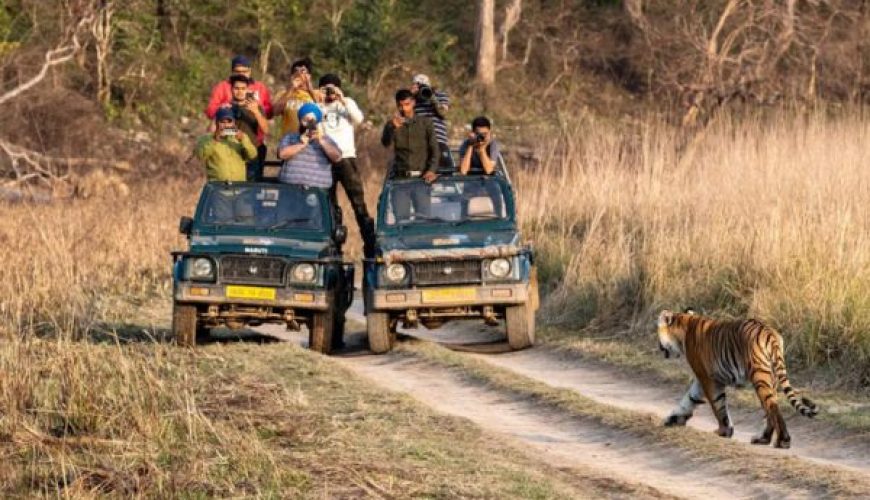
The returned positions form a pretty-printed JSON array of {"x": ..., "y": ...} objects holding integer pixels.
[{"x": 446, "y": 251}]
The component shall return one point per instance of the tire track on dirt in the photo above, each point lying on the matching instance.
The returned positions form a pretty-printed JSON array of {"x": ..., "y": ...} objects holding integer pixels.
[
  {"x": 562, "y": 440},
  {"x": 558, "y": 439},
  {"x": 811, "y": 440}
]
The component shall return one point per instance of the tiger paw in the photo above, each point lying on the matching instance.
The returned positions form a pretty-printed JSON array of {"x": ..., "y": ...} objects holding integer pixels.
[
  {"x": 761, "y": 439},
  {"x": 725, "y": 432},
  {"x": 676, "y": 420}
]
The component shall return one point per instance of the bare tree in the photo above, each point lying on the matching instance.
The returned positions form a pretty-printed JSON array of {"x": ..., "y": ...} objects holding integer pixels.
[
  {"x": 485, "y": 61},
  {"x": 64, "y": 51},
  {"x": 511, "y": 17},
  {"x": 101, "y": 29},
  {"x": 28, "y": 165},
  {"x": 716, "y": 51}
]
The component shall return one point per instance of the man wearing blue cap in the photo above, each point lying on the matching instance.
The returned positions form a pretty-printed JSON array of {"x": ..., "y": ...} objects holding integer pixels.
[
  {"x": 225, "y": 151},
  {"x": 309, "y": 153}
]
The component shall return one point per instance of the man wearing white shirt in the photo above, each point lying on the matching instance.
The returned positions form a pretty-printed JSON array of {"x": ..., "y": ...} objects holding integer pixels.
[{"x": 340, "y": 115}]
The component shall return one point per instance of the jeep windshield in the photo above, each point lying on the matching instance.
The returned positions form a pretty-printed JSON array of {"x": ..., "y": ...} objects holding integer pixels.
[
  {"x": 262, "y": 206},
  {"x": 454, "y": 200}
]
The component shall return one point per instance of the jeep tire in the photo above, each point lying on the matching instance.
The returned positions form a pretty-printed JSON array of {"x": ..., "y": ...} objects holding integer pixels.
[
  {"x": 338, "y": 331},
  {"x": 381, "y": 339},
  {"x": 184, "y": 325},
  {"x": 320, "y": 331},
  {"x": 520, "y": 326}
]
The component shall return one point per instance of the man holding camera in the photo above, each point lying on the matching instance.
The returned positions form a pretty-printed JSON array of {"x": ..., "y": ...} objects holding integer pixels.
[
  {"x": 479, "y": 152},
  {"x": 225, "y": 151},
  {"x": 433, "y": 104},
  {"x": 221, "y": 93},
  {"x": 308, "y": 154},
  {"x": 299, "y": 92},
  {"x": 415, "y": 146},
  {"x": 340, "y": 115},
  {"x": 250, "y": 119},
  {"x": 415, "y": 153}
]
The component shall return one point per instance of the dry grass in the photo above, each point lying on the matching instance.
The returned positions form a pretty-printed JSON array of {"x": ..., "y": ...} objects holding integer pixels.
[
  {"x": 94, "y": 401},
  {"x": 74, "y": 267},
  {"x": 765, "y": 217},
  {"x": 768, "y": 218}
]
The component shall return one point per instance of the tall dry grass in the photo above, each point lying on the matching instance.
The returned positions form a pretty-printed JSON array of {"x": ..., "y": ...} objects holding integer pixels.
[
  {"x": 72, "y": 267},
  {"x": 764, "y": 216}
]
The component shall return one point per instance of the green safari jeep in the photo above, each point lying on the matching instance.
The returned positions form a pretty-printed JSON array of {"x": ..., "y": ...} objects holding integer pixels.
[
  {"x": 262, "y": 253},
  {"x": 446, "y": 251}
]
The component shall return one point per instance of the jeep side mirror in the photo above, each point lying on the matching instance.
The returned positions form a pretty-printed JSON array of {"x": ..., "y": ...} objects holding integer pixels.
[
  {"x": 340, "y": 234},
  {"x": 185, "y": 225}
]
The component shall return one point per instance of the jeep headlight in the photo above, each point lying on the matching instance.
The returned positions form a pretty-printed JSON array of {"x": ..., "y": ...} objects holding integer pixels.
[
  {"x": 395, "y": 273},
  {"x": 200, "y": 268},
  {"x": 499, "y": 268},
  {"x": 303, "y": 273}
]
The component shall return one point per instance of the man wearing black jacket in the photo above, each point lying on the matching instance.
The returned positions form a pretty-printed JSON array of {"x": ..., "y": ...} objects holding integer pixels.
[{"x": 415, "y": 153}]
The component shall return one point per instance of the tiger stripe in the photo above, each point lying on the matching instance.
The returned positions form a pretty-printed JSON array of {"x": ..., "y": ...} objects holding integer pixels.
[{"x": 727, "y": 354}]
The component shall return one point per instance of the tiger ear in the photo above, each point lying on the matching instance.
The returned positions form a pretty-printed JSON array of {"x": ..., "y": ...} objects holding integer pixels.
[{"x": 666, "y": 318}]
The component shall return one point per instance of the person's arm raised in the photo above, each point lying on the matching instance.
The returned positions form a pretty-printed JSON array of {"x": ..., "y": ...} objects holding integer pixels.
[
  {"x": 289, "y": 150},
  {"x": 329, "y": 147},
  {"x": 485, "y": 161},
  {"x": 465, "y": 162}
]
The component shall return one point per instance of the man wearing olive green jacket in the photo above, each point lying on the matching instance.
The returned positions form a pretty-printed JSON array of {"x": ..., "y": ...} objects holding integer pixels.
[{"x": 225, "y": 152}]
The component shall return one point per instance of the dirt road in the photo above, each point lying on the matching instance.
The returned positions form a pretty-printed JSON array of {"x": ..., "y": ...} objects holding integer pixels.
[{"x": 563, "y": 441}]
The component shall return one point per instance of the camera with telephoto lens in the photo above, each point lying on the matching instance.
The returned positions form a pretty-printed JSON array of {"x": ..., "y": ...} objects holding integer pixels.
[
  {"x": 330, "y": 91},
  {"x": 426, "y": 92},
  {"x": 479, "y": 138},
  {"x": 310, "y": 127}
]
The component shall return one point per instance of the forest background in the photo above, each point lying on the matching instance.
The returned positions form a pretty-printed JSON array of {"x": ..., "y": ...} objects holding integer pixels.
[{"x": 667, "y": 153}]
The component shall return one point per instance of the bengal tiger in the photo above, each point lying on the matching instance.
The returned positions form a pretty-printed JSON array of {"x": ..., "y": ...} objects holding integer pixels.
[{"x": 730, "y": 353}]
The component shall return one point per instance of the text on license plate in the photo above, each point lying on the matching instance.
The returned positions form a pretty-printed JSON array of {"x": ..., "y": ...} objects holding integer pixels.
[
  {"x": 250, "y": 292},
  {"x": 449, "y": 295}
]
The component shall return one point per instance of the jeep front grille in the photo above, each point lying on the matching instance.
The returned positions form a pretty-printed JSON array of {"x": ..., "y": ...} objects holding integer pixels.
[
  {"x": 252, "y": 270},
  {"x": 447, "y": 272}
]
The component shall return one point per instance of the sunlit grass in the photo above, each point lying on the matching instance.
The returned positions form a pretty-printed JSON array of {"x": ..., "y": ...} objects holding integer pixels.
[{"x": 762, "y": 217}]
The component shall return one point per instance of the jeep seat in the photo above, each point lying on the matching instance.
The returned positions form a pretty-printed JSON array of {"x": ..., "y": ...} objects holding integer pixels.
[{"x": 481, "y": 206}]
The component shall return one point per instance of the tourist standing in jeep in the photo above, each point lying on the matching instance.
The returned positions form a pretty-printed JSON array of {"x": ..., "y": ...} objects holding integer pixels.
[
  {"x": 434, "y": 104},
  {"x": 340, "y": 115}
]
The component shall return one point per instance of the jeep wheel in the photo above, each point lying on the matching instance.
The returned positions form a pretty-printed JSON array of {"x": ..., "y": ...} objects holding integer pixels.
[
  {"x": 320, "y": 332},
  {"x": 381, "y": 339},
  {"x": 520, "y": 326},
  {"x": 534, "y": 297},
  {"x": 338, "y": 331},
  {"x": 203, "y": 333},
  {"x": 184, "y": 325}
]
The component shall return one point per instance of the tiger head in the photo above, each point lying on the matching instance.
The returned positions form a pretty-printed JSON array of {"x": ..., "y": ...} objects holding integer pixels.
[{"x": 672, "y": 333}]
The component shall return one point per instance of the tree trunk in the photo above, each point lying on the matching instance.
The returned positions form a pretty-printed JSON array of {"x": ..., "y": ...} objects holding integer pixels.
[{"x": 486, "y": 44}]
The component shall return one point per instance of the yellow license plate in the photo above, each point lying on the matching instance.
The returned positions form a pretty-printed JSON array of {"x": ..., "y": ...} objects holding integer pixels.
[
  {"x": 449, "y": 295},
  {"x": 250, "y": 292}
]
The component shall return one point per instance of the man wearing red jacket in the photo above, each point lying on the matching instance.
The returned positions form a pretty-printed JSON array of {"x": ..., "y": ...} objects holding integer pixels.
[{"x": 222, "y": 95}]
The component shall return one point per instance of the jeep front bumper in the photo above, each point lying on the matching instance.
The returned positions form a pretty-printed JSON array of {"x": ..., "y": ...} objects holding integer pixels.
[
  {"x": 209, "y": 293},
  {"x": 452, "y": 296}
]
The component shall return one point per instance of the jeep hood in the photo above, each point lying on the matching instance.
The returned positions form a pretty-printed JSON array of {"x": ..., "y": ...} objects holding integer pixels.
[
  {"x": 259, "y": 245},
  {"x": 447, "y": 240}
]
